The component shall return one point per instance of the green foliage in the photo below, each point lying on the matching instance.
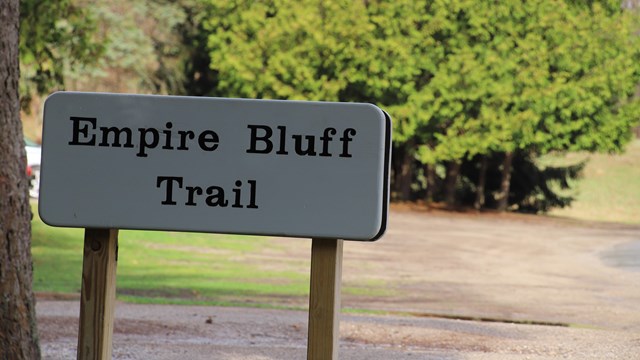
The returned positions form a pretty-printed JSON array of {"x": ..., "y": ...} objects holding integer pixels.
[
  {"x": 537, "y": 76},
  {"x": 141, "y": 51},
  {"x": 465, "y": 77},
  {"x": 460, "y": 78},
  {"x": 54, "y": 35},
  {"x": 137, "y": 46},
  {"x": 312, "y": 50},
  {"x": 128, "y": 49}
]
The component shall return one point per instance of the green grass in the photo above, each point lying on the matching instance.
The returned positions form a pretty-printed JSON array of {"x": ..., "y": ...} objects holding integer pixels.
[
  {"x": 172, "y": 267},
  {"x": 610, "y": 188},
  {"x": 186, "y": 268}
]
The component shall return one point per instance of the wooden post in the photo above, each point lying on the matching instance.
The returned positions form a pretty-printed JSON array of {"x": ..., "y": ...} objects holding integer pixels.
[
  {"x": 324, "y": 299},
  {"x": 98, "y": 294}
]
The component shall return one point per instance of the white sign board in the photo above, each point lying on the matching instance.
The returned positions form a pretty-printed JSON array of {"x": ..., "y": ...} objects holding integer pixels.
[{"x": 262, "y": 167}]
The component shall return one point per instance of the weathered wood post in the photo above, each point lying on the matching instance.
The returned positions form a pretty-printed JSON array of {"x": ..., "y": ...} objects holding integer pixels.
[
  {"x": 98, "y": 294},
  {"x": 324, "y": 299}
]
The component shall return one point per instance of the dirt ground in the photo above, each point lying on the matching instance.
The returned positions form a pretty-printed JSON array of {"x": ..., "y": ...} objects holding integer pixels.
[{"x": 455, "y": 286}]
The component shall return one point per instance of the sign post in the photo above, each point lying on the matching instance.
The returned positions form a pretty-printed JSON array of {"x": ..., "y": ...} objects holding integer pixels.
[
  {"x": 324, "y": 299},
  {"x": 98, "y": 294},
  {"x": 315, "y": 170}
]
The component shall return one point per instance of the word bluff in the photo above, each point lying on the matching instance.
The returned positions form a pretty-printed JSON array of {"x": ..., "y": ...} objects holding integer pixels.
[{"x": 262, "y": 140}]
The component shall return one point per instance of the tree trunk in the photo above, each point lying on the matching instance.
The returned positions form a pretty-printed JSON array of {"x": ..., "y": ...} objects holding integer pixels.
[
  {"x": 453, "y": 172},
  {"x": 430, "y": 174},
  {"x": 505, "y": 183},
  {"x": 18, "y": 332},
  {"x": 406, "y": 172},
  {"x": 482, "y": 181}
]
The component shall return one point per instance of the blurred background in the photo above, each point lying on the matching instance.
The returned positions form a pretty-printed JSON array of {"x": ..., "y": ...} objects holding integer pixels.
[{"x": 520, "y": 106}]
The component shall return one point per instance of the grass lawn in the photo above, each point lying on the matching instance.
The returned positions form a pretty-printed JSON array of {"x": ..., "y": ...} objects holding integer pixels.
[
  {"x": 610, "y": 188},
  {"x": 172, "y": 267}
]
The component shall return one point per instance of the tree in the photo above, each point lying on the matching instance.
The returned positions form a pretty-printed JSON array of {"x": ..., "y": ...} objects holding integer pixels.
[
  {"x": 526, "y": 79},
  {"x": 463, "y": 80},
  {"x": 18, "y": 331},
  {"x": 56, "y": 37},
  {"x": 139, "y": 46},
  {"x": 188, "y": 70}
]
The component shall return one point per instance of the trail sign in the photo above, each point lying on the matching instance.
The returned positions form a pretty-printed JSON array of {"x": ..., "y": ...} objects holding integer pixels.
[{"x": 261, "y": 167}]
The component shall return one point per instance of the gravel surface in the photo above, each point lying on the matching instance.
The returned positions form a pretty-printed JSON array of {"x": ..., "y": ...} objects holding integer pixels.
[
  {"x": 191, "y": 332},
  {"x": 439, "y": 269}
]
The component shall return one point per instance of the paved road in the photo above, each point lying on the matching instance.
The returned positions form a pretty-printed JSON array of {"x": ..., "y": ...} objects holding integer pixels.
[{"x": 625, "y": 256}]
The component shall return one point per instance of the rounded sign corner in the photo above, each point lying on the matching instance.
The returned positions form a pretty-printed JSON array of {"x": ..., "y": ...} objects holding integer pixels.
[
  {"x": 380, "y": 233},
  {"x": 42, "y": 213},
  {"x": 383, "y": 224},
  {"x": 383, "y": 114},
  {"x": 53, "y": 95},
  {"x": 52, "y": 99}
]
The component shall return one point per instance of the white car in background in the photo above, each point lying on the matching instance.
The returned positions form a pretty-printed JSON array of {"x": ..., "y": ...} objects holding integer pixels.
[{"x": 34, "y": 152}]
